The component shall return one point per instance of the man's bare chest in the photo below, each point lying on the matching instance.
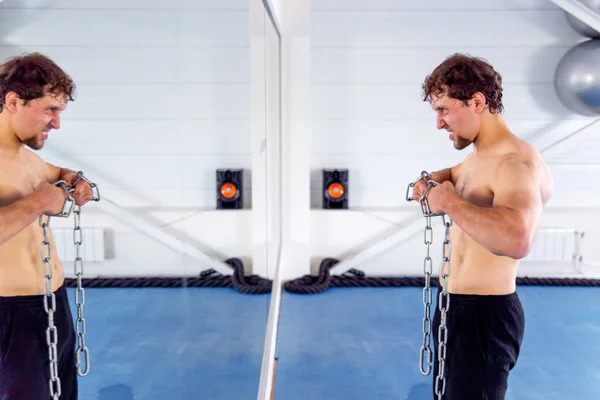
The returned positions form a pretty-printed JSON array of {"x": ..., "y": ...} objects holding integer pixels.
[
  {"x": 473, "y": 184},
  {"x": 18, "y": 181}
]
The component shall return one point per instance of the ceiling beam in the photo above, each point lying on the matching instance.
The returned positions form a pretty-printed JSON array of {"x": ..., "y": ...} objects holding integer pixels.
[{"x": 557, "y": 147}]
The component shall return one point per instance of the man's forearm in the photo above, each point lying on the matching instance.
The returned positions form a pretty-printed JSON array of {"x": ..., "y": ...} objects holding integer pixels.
[
  {"x": 17, "y": 216},
  {"x": 442, "y": 175},
  {"x": 55, "y": 173},
  {"x": 500, "y": 230},
  {"x": 66, "y": 173}
]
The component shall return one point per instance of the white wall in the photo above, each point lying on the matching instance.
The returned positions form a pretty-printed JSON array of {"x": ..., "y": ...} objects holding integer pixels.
[
  {"x": 163, "y": 100},
  {"x": 176, "y": 99},
  {"x": 369, "y": 60}
]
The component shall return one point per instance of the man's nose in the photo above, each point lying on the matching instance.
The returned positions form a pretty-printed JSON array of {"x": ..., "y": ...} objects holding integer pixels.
[
  {"x": 55, "y": 122},
  {"x": 441, "y": 124}
]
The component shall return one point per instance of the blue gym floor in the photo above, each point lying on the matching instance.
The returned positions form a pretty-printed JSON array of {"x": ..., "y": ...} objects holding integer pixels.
[
  {"x": 363, "y": 344},
  {"x": 172, "y": 343}
]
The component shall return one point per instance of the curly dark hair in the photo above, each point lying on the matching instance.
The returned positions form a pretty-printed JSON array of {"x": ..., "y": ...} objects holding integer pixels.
[
  {"x": 462, "y": 76},
  {"x": 32, "y": 76}
]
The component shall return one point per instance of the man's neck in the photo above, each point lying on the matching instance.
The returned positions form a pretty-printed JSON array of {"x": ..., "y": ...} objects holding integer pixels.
[
  {"x": 493, "y": 131},
  {"x": 8, "y": 140}
]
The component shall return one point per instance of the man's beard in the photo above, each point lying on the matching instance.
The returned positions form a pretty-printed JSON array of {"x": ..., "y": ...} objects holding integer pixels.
[
  {"x": 461, "y": 143},
  {"x": 34, "y": 143}
]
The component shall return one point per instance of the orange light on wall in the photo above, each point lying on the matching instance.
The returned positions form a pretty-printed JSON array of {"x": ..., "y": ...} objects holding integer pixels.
[
  {"x": 335, "y": 188},
  {"x": 230, "y": 189}
]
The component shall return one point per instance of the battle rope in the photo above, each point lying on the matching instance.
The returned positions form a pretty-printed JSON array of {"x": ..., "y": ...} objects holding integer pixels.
[
  {"x": 307, "y": 284},
  {"x": 310, "y": 284},
  {"x": 252, "y": 284}
]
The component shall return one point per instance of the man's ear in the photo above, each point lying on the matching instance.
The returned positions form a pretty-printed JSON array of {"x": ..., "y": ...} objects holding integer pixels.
[
  {"x": 479, "y": 102},
  {"x": 12, "y": 99}
]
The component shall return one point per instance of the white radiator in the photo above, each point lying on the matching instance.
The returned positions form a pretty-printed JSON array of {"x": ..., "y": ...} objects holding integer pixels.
[
  {"x": 92, "y": 247},
  {"x": 557, "y": 246}
]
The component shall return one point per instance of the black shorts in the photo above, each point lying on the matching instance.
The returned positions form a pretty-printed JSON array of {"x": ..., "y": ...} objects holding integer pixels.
[
  {"x": 485, "y": 334},
  {"x": 24, "y": 357}
]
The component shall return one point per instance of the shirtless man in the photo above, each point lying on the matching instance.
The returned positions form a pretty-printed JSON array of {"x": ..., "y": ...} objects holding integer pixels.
[
  {"x": 494, "y": 198},
  {"x": 34, "y": 91}
]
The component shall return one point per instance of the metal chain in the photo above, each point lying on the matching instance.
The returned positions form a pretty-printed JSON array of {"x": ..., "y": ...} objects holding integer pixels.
[
  {"x": 78, "y": 269},
  {"x": 80, "y": 296},
  {"x": 50, "y": 307},
  {"x": 444, "y": 301},
  {"x": 50, "y": 298},
  {"x": 444, "y": 306},
  {"x": 427, "y": 296}
]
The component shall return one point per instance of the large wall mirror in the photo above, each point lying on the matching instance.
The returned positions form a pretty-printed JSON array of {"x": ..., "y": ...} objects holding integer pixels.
[{"x": 176, "y": 123}]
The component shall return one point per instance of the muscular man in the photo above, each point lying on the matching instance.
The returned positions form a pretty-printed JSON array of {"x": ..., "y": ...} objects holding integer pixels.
[
  {"x": 34, "y": 91},
  {"x": 494, "y": 198}
]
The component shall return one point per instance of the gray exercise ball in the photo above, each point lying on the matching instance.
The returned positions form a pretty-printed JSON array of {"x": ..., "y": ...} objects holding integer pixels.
[
  {"x": 581, "y": 27},
  {"x": 577, "y": 78}
]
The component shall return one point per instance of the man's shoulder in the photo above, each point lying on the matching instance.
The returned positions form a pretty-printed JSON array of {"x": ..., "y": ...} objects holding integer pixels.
[
  {"x": 521, "y": 154},
  {"x": 512, "y": 160},
  {"x": 514, "y": 166},
  {"x": 35, "y": 163},
  {"x": 32, "y": 156},
  {"x": 524, "y": 166}
]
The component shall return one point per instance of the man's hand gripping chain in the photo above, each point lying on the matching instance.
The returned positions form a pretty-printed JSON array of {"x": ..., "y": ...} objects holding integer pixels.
[
  {"x": 49, "y": 298},
  {"x": 424, "y": 202},
  {"x": 427, "y": 296},
  {"x": 69, "y": 201}
]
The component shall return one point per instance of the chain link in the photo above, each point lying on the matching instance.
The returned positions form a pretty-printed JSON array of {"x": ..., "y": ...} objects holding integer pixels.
[
  {"x": 95, "y": 191},
  {"x": 444, "y": 300}
]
